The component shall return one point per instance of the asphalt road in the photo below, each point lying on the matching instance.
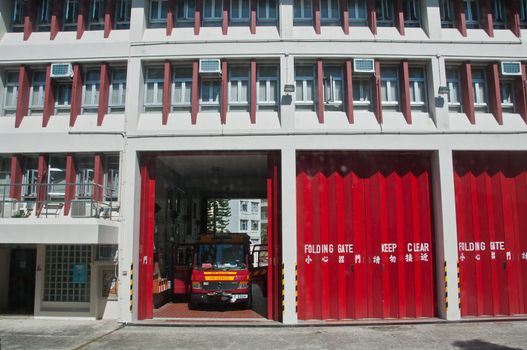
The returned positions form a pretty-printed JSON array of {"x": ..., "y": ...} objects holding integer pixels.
[{"x": 68, "y": 334}]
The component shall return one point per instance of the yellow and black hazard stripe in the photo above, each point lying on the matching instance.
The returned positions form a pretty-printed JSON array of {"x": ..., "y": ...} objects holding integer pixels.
[
  {"x": 131, "y": 285},
  {"x": 458, "y": 287},
  {"x": 446, "y": 288},
  {"x": 283, "y": 284},
  {"x": 296, "y": 288}
]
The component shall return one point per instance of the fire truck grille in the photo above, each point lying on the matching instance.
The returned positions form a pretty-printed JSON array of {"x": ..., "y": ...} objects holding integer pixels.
[{"x": 220, "y": 286}]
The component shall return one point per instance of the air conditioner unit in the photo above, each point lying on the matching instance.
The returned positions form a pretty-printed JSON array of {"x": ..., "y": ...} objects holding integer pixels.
[
  {"x": 210, "y": 66},
  {"x": 511, "y": 68},
  {"x": 80, "y": 209},
  {"x": 7, "y": 209},
  {"x": 61, "y": 71},
  {"x": 364, "y": 65}
]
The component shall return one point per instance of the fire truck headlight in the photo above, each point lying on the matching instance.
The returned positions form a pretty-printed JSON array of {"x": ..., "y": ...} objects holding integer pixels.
[
  {"x": 243, "y": 284},
  {"x": 196, "y": 284}
]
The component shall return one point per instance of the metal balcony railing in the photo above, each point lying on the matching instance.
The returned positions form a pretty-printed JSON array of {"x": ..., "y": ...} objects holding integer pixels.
[{"x": 76, "y": 200}]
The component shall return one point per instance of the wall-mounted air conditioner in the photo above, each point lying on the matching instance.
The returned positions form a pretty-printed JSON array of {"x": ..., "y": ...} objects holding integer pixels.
[
  {"x": 511, "y": 68},
  {"x": 61, "y": 71},
  {"x": 7, "y": 209},
  {"x": 210, "y": 66},
  {"x": 81, "y": 209},
  {"x": 364, "y": 65}
]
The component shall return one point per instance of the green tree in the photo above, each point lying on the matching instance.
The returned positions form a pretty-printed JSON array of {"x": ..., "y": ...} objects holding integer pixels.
[{"x": 218, "y": 214}]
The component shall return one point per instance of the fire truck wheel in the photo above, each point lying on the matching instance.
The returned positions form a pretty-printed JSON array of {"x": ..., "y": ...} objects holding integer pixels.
[{"x": 249, "y": 303}]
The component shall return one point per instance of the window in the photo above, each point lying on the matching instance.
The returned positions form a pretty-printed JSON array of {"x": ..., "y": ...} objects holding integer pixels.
[
  {"x": 255, "y": 225},
  {"x": 239, "y": 10},
  {"x": 60, "y": 285},
  {"x": 117, "y": 90},
  {"x": 389, "y": 87},
  {"x": 267, "y": 89},
  {"x": 239, "y": 88},
  {"x": 186, "y": 10},
  {"x": 507, "y": 95},
  {"x": 385, "y": 16},
  {"x": 267, "y": 10},
  {"x": 85, "y": 176},
  {"x": 471, "y": 13},
  {"x": 210, "y": 94},
  {"x": 57, "y": 176},
  {"x": 244, "y": 225},
  {"x": 305, "y": 90},
  {"x": 17, "y": 16},
  {"x": 30, "y": 177},
  {"x": 361, "y": 92},
  {"x": 10, "y": 93},
  {"x": 244, "y": 206},
  {"x": 71, "y": 11},
  {"x": 303, "y": 10},
  {"x": 358, "y": 10},
  {"x": 499, "y": 15},
  {"x": 412, "y": 13},
  {"x": 329, "y": 11},
  {"x": 158, "y": 13},
  {"x": 454, "y": 97},
  {"x": 62, "y": 98},
  {"x": 37, "y": 92},
  {"x": 447, "y": 13},
  {"x": 44, "y": 15},
  {"x": 333, "y": 88},
  {"x": 212, "y": 10},
  {"x": 96, "y": 15},
  {"x": 182, "y": 88},
  {"x": 154, "y": 89},
  {"x": 480, "y": 89},
  {"x": 255, "y": 206},
  {"x": 5, "y": 176},
  {"x": 523, "y": 14},
  {"x": 111, "y": 177},
  {"x": 122, "y": 14},
  {"x": 417, "y": 88},
  {"x": 90, "y": 91}
]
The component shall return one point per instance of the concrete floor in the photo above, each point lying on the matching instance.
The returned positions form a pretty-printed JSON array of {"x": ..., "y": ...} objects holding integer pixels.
[{"x": 58, "y": 334}]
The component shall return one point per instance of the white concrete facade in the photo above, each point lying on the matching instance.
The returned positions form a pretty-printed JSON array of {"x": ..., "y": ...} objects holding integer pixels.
[{"x": 438, "y": 130}]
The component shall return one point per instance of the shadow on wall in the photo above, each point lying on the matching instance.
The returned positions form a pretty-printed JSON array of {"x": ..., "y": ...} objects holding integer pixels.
[{"x": 477, "y": 344}]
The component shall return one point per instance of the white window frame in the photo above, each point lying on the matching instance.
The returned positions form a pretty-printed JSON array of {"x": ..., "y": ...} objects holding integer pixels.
[
  {"x": 305, "y": 101},
  {"x": 239, "y": 101},
  {"x": 385, "y": 13},
  {"x": 56, "y": 189},
  {"x": 237, "y": 8},
  {"x": 306, "y": 14},
  {"x": 9, "y": 107},
  {"x": 66, "y": 106},
  {"x": 499, "y": 14},
  {"x": 121, "y": 82},
  {"x": 70, "y": 7},
  {"x": 507, "y": 105},
  {"x": 453, "y": 81},
  {"x": 85, "y": 177},
  {"x": 332, "y": 14},
  {"x": 418, "y": 84},
  {"x": 211, "y": 103},
  {"x": 189, "y": 12},
  {"x": 446, "y": 10},
  {"x": 255, "y": 225},
  {"x": 157, "y": 85},
  {"x": 357, "y": 5},
  {"x": 44, "y": 15},
  {"x": 29, "y": 182},
  {"x": 17, "y": 16},
  {"x": 123, "y": 9},
  {"x": 264, "y": 15},
  {"x": 253, "y": 205},
  {"x": 38, "y": 89},
  {"x": 185, "y": 82},
  {"x": 211, "y": 5},
  {"x": 111, "y": 177},
  {"x": 389, "y": 81},
  {"x": 364, "y": 91},
  {"x": 333, "y": 75},
  {"x": 244, "y": 206},
  {"x": 158, "y": 17},
  {"x": 412, "y": 13},
  {"x": 92, "y": 85},
  {"x": 472, "y": 19},
  {"x": 480, "y": 99},
  {"x": 96, "y": 15},
  {"x": 268, "y": 99},
  {"x": 244, "y": 225}
]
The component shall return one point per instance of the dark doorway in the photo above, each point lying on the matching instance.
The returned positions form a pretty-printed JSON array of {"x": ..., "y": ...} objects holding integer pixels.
[{"x": 21, "y": 295}]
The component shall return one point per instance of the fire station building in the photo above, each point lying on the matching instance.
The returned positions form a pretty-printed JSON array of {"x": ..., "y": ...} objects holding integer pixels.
[{"x": 388, "y": 140}]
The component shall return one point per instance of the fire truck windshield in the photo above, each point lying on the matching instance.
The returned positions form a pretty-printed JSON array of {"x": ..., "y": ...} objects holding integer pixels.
[{"x": 221, "y": 256}]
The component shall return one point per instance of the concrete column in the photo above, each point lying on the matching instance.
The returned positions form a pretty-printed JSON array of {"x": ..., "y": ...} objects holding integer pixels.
[
  {"x": 285, "y": 22},
  {"x": 138, "y": 19},
  {"x": 436, "y": 75},
  {"x": 287, "y": 106},
  {"x": 289, "y": 234},
  {"x": 431, "y": 18},
  {"x": 444, "y": 203},
  {"x": 134, "y": 97}
]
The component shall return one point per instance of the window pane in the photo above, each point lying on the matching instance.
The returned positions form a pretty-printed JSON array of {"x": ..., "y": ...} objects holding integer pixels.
[
  {"x": 244, "y": 91},
  {"x": 338, "y": 90},
  {"x": 150, "y": 93},
  {"x": 234, "y": 91},
  {"x": 309, "y": 90},
  {"x": 188, "y": 92},
  {"x": 299, "y": 89},
  {"x": 178, "y": 93},
  {"x": 261, "y": 91},
  {"x": 384, "y": 91},
  {"x": 272, "y": 90}
]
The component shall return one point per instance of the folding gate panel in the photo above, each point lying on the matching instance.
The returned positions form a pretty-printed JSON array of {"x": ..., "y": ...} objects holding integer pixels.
[
  {"x": 491, "y": 201},
  {"x": 364, "y": 236}
]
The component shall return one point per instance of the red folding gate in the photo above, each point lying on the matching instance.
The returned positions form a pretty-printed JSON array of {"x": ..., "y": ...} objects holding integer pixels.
[
  {"x": 364, "y": 236},
  {"x": 491, "y": 201}
]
